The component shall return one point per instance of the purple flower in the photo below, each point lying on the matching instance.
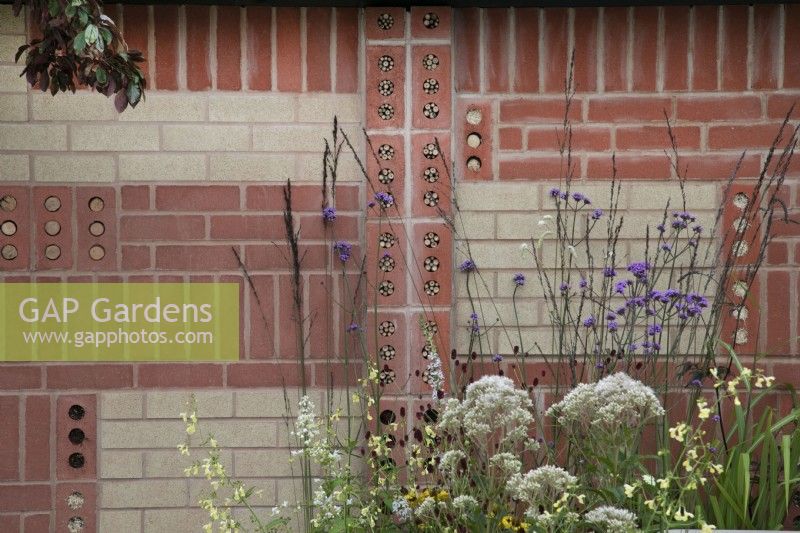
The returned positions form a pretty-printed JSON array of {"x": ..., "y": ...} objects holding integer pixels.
[
  {"x": 609, "y": 272},
  {"x": 712, "y": 449},
  {"x": 639, "y": 270},
  {"x": 612, "y": 326},
  {"x": 497, "y": 358},
  {"x": 344, "y": 249},
  {"x": 696, "y": 383},
  {"x": 666, "y": 247},
  {"x": 473, "y": 316},
  {"x": 632, "y": 347},
  {"x": 578, "y": 197},
  {"x": 620, "y": 286},
  {"x": 597, "y": 213},
  {"x": 589, "y": 321},
  {"x": 384, "y": 198},
  {"x": 467, "y": 266},
  {"x": 611, "y": 316},
  {"x": 715, "y": 418},
  {"x": 519, "y": 279},
  {"x": 474, "y": 322},
  {"x": 621, "y": 310},
  {"x": 564, "y": 287},
  {"x": 329, "y": 214},
  {"x": 371, "y": 204},
  {"x": 672, "y": 293},
  {"x": 599, "y": 365},
  {"x": 653, "y": 330},
  {"x": 661, "y": 228},
  {"x": 583, "y": 283},
  {"x": 555, "y": 192},
  {"x": 698, "y": 229},
  {"x": 353, "y": 327}
]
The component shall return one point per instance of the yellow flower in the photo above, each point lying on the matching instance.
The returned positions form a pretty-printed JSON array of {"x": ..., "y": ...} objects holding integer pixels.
[
  {"x": 682, "y": 515},
  {"x": 442, "y": 496},
  {"x": 629, "y": 490},
  {"x": 523, "y": 526},
  {"x": 650, "y": 504},
  {"x": 704, "y": 412},
  {"x": 663, "y": 483},
  {"x": 706, "y": 528},
  {"x": 507, "y": 522},
  {"x": 678, "y": 432}
]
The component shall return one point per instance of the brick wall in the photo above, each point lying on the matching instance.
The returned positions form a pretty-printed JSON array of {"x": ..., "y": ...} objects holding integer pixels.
[{"x": 239, "y": 101}]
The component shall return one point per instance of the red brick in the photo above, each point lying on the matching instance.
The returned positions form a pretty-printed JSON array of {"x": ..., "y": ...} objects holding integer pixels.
[
  {"x": 89, "y": 376},
  {"x": 586, "y": 25},
  {"x": 196, "y": 258},
  {"x": 161, "y": 227},
  {"x": 287, "y": 49},
  {"x": 312, "y": 227},
  {"x": 583, "y": 139},
  {"x": 321, "y": 299},
  {"x": 510, "y": 139},
  {"x": 37, "y": 438},
  {"x": 10, "y": 523},
  {"x": 656, "y": 137},
  {"x": 198, "y": 37},
  {"x": 288, "y": 325},
  {"x": 347, "y": 46},
  {"x": 467, "y": 50},
  {"x": 262, "y": 317},
  {"x": 734, "y": 50},
  {"x": 246, "y": 374},
  {"x": 135, "y": 197},
  {"x": 704, "y": 54},
  {"x": 304, "y": 198},
  {"x": 527, "y": 51},
  {"x": 166, "y": 40},
  {"x": 743, "y": 136},
  {"x": 25, "y": 498},
  {"x": 629, "y": 108},
  {"x": 197, "y": 198},
  {"x": 18, "y": 377},
  {"x": 615, "y": 20},
  {"x": 645, "y": 48},
  {"x": 538, "y": 110},
  {"x": 180, "y": 375},
  {"x": 556, "y": 42},
  {"x": 229, "y": 51},
  {"x": 778, "y": 253},
  {"x": 318, "y": 48},
  {"x": 276, "y": 256},
  {"x": 718, "y": 107},
  {"x": 676, "y": 46},
  {"x": 791, "y": 59},
  {"x": 719, "y": 166},
  {"x": 778, "y": 305},
  {"x": 9, "y": 428},
  {"x": 136, "y": 30},
  {"x": 783, "y": 228},
  {"x": 496, "y": 49},
  {"x": 135, "y": 258},
  {"x": 334, "y": 375},
  {"x": 766, "y": 46},
  {"x": 259, "y": 47},
  {"x": 37, "y": 522},
  {"x": 530, "y": 168},
  {"x": 778, "y": 105},
  {"x": 247, "y": 227},
  {"x": 629, "y": 167}
]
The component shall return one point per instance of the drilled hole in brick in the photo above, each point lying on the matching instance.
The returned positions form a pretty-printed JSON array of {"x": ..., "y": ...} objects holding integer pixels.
[
  {"x": 76, "y": 524},
  {"x": 387, "y": 328},
  {"x": 76, "y": 412},
  {"x": 386, "y": 111},
  {"x": 740, "y": 313},
  {"x": 386, "y": 263},
  {"x": 474, "y": 116},
  {"x": 430, "y": 62},
  {"x": 97, "y": 228},
  {"x": 474, "y": 163},
  {"x": 741, "y": 336},
  {"x": 386, "y": 240},
  {"x": 387, "y": 376},
  {"x": 740, "y": 225},
  {"x": 427, "y": 350},
  {"x": 52, "y": 252},
  {"x": 386, "y": 87},
  {"x": 52, "y": 203},
  {"x": 76, "y": 460},
  {"x": 385, "y": 63},
  {"x": 431, "y": 415},
  {"x": 740, "y": 248},
  {"x": 432, "y": 326},
  {"x": 740, "y": 200},
  {"x": 430, "y": 20},
  {"x": 740, "y": 289},
  {"x": 385, "y": 21},
  {"x": 431, "y": 175},
  {"x": 431, "y": 198},
  {"x": 432, "y": 263},
  {"x": 75, "y": 500},
  {"x": 432, "y": 288},
  {"x": 8, "y": 227},
  {"x": 385, "y": 176},
  {"x": 8, "y": 203},
  {"x": 431, "y": 240},
  {"x": 52, "y": 227},
  {"x": 97, "y": 252},
  {"x": 387, "y": 352},
  {"x": 386, "y": 288},
  {"x": 430, "y": 86},
  {"x": 387, "y": 417},
  {"x": 96, "y": 204},
  {"x": 430, "y": 151},
  {"x": 430, "y": 110},
  {"x": 474, "y": 140},
  {"x": 386, "y": 152},
  {"x": 9, "y": 252},
  {"x": 76, "y": 436}
]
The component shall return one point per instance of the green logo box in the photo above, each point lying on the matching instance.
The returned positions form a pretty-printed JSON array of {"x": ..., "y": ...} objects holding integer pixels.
[{"x": 119, "y": 322}]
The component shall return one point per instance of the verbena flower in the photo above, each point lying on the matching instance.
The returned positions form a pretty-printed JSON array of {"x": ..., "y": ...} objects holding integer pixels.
[
  {"x": 597, "y": 213},
  {"x": 384, "y": 199},
  {"x": 519, "y": 279},
  {"x": 467, "y": 266},
  {"x": 344, "y": 249},
  {"x": 555, "y": 192},
  {"x": 497, "y": 358},
  {"x": 329, "y": 214},
  {"x": 589, "y": 322},
  {"x": 639, "y": 270},
  {"x": 653, "y": 329},
  {"x": 609, "y": 272}
]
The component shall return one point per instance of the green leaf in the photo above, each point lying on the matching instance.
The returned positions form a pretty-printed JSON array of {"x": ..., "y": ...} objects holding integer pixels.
[
  {"x": 79, "y": 44},
  {"x": 83, "y": 17},
  {"x": 53, "y": 7},
  {"x": 107, "y": 35},
  {"x": 101, "y": 75},
  {"x": 92, "y": 33},
  {"x": 134, "y": 93}
]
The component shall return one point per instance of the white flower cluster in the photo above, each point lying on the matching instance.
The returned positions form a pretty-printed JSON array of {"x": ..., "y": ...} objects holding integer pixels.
[
  {"x": 541, "y": 486},
  {"x": 465, "y": 504},
  {"x": 306, "y": 428},
  {"x": 490, "y": 404},
  {"x": 615, "y": 401},
  {"x": 612, "y": 519},
  {"x": 507, "y": 464},
  {"x": 448, "y": 464},
  {"x": 435, "y": 374},
  {"x": 401, "y": 510}
]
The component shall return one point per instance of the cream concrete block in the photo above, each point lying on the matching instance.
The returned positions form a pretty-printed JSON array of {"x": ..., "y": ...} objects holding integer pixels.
[
  {"x": 651, "y": 195},
  {"x": 497, "y": 196},
  {"x": 309, "y": 168},
  {"x": 130, "y": 521},
  {"x": 9, "y": 23},
  {"x": 169, "y": 463},
  {"x": 168, "y": 107},
  {"x": 475, "y": 225},
  {"x": 13, "y": 107},
  {"x": 263, "y": 501},
  {"x": 144, "y": 493},
  {"x": 169, "y": 404},
  {"x": 33, "y": 137},
  {"x": 531, "y": 289},
  {"x": 504, "y": 341},
  {"x": 162, "y": 167},
  {"x": 10, "y": 80},
  {"x": 282, "y": 138},
  {"x": 519, "y": 226},
  {"x": 215, "y": 138},
  {"x": 8, "y": 47},
  {"x": 484, "y": 287},
  {"x": 264, "y": 463},
  {"x": 167, "y": 433},
  {"x": 114, "y": 137},
  {"x": 598, "y": 193},
  {"x": 119, "y": 464},
  {"x": 14, "y": 168},
  {"x": 115, "y": 405},
  {"x": 242, "y": 107},
  {"x": 496, "y": 254},
  {"x": 270, "y": 403},
  {"x": 175, "y": 520},
  {"x": 251, "y": 167},
  {"x": 321, "y": 108},
  {"x": 74, "y": 168},
  {"x": 81, "y": 106}
]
